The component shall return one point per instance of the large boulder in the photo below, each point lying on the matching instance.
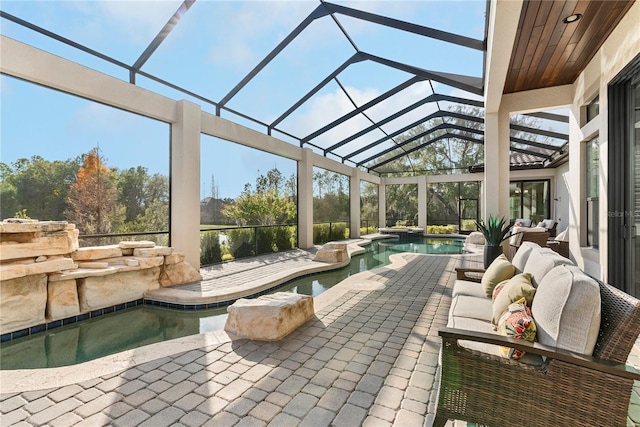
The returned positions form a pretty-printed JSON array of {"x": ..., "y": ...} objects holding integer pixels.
[
  {"x": 22, "y": 302},
  {"x": 269, "y": 317},
  {"x": 104, "y": 291},
  {"x": 178, "y": 274},
  {"x": 333, "y": 253},
  {"x": 62, "y": 300}
]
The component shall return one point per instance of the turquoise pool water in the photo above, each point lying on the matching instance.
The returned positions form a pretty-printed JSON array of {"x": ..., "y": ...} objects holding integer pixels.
[{"x": 138, "y": 326}]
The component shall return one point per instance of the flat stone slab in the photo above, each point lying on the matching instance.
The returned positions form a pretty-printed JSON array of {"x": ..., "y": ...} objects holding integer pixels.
[
  {"x": 93, "y": 253},
  {"x": 269, "y": 317},
  {"x": 13, "y": 225},
  {"x": 134, "y": 244}
]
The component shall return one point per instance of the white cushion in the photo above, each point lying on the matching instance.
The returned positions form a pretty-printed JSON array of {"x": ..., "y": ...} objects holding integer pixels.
[
  {"x": 525, "y": 222},
  {"x": 516, "y": 235},
  {"x": 522, "y": 255},
  {"x": 468, "y": 324},
  {"x": 566, "y": 310},
  {"x": 475, "y": 238},
  {"x": 563, "y": 236},
  {"x": 541, "y": 261},
  {"x": 466, "y": 287},
  {"x": 548, "y": 223},
  {"x": 472, "y": 307}
]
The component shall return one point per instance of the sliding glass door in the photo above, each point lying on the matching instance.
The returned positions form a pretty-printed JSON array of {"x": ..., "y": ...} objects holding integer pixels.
[
  {"x": 634, "y": 194},
  {"x": 529, "y": 200},
  {"x": 624, "y": 185}
]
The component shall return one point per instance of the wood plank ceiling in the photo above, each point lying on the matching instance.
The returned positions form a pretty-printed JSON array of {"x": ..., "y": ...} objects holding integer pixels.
[{"x": 549, "y": 52}]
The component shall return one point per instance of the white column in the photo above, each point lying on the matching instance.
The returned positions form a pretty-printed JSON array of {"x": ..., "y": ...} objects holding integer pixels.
[
  {"x": 496, "y": 165},
  {"x": 354, "y": 204},
  {"x": 382, "y": 204},
  {"x": 305, "y": 200},
  {"x": 422, "y": 202},
  {"x": 185, "y": 182}
]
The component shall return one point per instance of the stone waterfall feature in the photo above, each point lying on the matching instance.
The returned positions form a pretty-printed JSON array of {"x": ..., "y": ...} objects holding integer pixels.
[{"x": 46, "y": 276}]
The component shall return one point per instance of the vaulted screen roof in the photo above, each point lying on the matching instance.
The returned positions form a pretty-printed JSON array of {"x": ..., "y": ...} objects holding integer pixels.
[{"x": 365, "y": 83}]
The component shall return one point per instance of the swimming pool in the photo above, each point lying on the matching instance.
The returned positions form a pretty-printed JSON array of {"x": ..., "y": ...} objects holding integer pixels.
[{"x": 145, "y": 324}]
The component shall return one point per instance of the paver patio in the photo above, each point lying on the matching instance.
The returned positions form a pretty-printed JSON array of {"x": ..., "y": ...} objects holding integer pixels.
[{"x": 368, "y": 358}]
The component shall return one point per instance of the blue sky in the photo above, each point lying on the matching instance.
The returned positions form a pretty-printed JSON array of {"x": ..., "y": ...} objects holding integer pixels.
[{"x": 215, "y": 44}]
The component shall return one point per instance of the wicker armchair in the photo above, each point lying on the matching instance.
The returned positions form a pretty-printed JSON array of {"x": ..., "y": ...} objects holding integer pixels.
[
  {"x": 539, "y": 237},
  {"x": 560, "y": 247},
  {"x": 568, "y": 389}
]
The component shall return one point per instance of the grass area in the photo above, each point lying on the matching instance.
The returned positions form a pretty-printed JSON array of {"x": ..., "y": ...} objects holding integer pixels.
[{"x": 215, "y": 227}]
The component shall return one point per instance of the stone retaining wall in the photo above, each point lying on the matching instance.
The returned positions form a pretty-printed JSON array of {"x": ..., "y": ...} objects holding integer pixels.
[{"x": 46, "y": 276}]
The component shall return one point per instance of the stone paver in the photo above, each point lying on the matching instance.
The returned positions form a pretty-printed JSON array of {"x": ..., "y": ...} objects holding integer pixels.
[{"x": 368, "y": 358}]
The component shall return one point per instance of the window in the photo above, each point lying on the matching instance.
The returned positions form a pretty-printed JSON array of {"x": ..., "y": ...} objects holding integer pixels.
[
  {"x": 592, "y": 181},
  {"x": 529, "y": 200},
  {"x": 593, "y": 109}
]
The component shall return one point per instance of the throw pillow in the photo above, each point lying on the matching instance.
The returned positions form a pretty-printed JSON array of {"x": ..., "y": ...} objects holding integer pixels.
[
  {"x": 500, "y": 269},
  {"x": 512, "y": 290},
  {"x": 516, "y": 322},
  {"x": 498, "y": 289}
]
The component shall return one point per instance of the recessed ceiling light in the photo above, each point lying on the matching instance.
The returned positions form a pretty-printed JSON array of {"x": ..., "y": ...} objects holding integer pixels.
[{"x": 572, "y": 18}]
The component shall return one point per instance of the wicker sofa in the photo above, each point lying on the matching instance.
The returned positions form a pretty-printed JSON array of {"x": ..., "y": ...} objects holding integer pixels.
[{"x": 574, "y": 374}]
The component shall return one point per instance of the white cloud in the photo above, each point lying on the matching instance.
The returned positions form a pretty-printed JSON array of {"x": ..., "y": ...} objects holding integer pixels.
[
  {"x": 139, "y": 21},
  {"x": 457, "y": 92},
  {"x": 250, "y": 22}
]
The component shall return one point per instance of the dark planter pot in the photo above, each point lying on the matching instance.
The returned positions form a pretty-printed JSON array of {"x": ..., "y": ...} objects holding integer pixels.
[{"x": 491, "y": 253}]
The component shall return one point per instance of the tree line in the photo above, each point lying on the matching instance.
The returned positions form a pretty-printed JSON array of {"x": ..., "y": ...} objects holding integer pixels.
[{"x": 86, "y": 192}]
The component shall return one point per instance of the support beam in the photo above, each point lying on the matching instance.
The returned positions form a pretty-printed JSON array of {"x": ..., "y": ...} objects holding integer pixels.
[
  {"x": 496, "y": 170},
  {"x": 354, "y": 204},
  {"x": 422, "y": 202},
  {"x": 185, "y": 182},
  {"x": 382, "y": 204},
  {"x": 501, "y": 36},
  {"x": 305, "y": 200}
]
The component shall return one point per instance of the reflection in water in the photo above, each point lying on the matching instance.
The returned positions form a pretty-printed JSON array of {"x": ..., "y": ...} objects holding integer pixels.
[{"x": 138, "y": 326}]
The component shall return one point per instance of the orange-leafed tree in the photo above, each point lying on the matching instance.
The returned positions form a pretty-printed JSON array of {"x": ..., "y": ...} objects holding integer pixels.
[{"x": 93, "y": 196}]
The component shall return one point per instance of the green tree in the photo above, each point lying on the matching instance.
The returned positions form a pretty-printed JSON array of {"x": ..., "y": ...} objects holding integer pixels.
[
  {"x": 270, "y": 203},
  {"x": 153, "y": 209},
  {"x": 369, "y": 204},
  {"x": 8, "y": 193},
  {"x": 330, "y": 196},
  {"x": 37, "y": 185},
  {"x": 156, "y": 189},
  {"x": 131, "y": 191}
]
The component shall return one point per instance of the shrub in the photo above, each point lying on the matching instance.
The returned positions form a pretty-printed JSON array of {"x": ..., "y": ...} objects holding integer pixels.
[
  {"x": 283, "y": 237},
  {"x": 325, "y": 232},
  {"x": 240, "y": 242},
  {"x": 440, "y": 229},
  {"x": 320, "y": 233},
  {"x": 227, "y": 257},
  {"x": 210, "y": 251},
  {"x": 265, "y": 237},
  {"x": 469, "y": 225},
  {"x": 368, "y": 230}
]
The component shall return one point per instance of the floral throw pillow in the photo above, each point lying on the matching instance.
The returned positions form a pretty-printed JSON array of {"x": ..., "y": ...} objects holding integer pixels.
[{"x": 516, "y": 322}]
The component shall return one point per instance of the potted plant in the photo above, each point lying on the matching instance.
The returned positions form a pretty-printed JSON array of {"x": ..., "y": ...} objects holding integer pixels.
[{"x": 495, "y": 231}]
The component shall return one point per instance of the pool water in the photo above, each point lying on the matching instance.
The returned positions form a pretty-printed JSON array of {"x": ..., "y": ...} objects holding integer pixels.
[{"x": 138, "y": 326}]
